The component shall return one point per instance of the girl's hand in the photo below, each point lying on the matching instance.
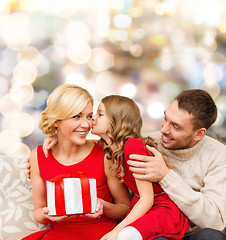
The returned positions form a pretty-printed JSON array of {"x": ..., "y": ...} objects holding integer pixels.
[
  {"x": 110, "y": 236},
  {"x": 49, "y": 142},
  {"x": 98, "y": 210}
]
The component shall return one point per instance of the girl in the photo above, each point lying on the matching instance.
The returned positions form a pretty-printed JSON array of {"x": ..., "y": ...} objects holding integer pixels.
[
  {"x": 69, "y": 112},
  {"x": 152, "y": 214}
]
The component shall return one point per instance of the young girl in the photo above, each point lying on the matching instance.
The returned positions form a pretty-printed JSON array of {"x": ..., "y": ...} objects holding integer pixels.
[
  {"x": 152, "y": 214},
  {"x": 69, "y": 113}
]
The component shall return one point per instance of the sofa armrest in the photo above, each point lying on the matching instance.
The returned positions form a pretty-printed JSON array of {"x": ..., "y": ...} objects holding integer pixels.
[{"x": 16, "y": 205}]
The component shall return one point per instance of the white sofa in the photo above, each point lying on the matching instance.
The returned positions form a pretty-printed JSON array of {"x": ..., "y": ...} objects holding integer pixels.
[{"x": 16, "y": 205}]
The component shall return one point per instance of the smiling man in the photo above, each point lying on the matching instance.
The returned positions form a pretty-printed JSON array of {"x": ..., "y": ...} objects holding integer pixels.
[{"x": 197, "y": 180}]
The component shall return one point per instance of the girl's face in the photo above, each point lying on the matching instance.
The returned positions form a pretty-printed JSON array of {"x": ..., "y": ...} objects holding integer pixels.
[
  {"x": 101, "y": 122},
  {"x": 76, "y": 129}
]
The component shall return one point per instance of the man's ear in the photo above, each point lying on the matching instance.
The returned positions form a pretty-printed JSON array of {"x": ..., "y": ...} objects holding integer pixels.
[{"x": 200, "y": 133}]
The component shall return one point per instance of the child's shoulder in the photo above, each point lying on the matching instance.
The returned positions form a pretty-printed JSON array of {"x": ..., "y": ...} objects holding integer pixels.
[
  {"x": 133, "y": 140},
  {"x": 133, "y": 143},
  {"x": 134, "y": 146}
]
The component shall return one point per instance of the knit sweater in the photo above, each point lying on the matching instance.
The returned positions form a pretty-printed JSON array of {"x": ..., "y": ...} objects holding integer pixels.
[{"x": 197, "y": 182}]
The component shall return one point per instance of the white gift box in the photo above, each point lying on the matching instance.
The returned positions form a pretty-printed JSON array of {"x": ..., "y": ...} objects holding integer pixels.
[{"x": 72, "y": 198}]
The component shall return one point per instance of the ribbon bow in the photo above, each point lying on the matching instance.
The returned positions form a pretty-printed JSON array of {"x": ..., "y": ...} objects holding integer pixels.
[{"x": 59, "y": 192}]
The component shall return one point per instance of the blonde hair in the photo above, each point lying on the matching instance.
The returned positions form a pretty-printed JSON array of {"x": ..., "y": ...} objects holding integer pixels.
[
  {"x": 64, "y": 102},
  {"x": 125, "y": 123}
]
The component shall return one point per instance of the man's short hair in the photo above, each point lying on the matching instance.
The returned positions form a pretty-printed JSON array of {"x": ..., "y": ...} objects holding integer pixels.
[{"x": 200, "y": 104}]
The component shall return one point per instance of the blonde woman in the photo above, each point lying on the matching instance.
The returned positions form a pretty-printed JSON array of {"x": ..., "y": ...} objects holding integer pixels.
[{"x": 69, "y": 113}]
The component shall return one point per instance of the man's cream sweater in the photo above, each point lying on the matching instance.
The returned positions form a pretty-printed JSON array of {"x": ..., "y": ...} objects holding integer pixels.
[{"x": 197, "y": 183}]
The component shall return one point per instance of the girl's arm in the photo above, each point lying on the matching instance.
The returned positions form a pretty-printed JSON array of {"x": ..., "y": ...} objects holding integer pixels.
[
  {"x": 146, "y": 194},
  {"x": 142, "y": 206},
  {"x": 50, "y": 141},
  {"x": 140, "y": 209},
  {"x": 120, "y": 194}
]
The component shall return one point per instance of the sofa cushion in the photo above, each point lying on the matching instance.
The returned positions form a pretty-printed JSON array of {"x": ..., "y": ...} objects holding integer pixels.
[{"x": 16, "y": 205}]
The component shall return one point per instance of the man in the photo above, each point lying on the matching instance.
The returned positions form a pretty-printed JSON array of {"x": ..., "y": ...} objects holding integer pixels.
[{"x": 197, "y": 180}]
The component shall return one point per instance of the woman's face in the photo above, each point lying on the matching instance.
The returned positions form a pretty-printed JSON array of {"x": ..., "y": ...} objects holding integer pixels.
[
  {"x": 76, "y": 129},
  {"x": 101, "y": 122}
]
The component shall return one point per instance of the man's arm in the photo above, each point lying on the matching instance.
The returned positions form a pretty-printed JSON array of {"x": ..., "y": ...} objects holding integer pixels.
[{"x": 205, "y": 208}]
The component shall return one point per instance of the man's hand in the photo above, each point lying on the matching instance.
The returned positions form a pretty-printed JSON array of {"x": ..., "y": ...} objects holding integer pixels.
[
  {"x": 28, "y": 166},
  {"x": 151, "y": 168}
]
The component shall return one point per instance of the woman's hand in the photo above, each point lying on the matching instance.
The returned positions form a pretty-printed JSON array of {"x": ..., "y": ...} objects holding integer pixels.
[
  {"x": 58, "y": 219},
  {"x": 98, "y": 210},
  {"x": 63, "y": 218}
]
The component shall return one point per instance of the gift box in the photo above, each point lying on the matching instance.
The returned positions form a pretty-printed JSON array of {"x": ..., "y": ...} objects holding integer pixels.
[{"x": 71, "y": 194}]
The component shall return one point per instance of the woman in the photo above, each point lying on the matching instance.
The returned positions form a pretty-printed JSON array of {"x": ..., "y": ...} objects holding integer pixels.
[{"x": 69, "y": 113}]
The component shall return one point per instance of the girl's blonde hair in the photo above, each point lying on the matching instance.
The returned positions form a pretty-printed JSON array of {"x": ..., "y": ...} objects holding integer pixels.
[
  {"x": 64, "y": 102},
  {"x": 125, "y": 123}
]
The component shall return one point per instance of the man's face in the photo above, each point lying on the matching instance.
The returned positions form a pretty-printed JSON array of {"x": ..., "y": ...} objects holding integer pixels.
[{"x": 177, "y": 129}]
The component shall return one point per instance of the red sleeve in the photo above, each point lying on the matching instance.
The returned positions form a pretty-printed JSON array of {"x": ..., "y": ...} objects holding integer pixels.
[{"x": 135, "y": 146}]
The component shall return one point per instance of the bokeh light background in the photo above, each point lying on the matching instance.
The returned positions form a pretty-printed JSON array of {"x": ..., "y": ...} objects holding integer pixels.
[{"x": 148, "y": 50}]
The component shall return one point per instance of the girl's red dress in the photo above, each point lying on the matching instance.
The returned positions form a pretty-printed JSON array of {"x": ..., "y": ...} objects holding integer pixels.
[
  {"x": 78, "y": 228},
  {"x": 164, "y": 218}
]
